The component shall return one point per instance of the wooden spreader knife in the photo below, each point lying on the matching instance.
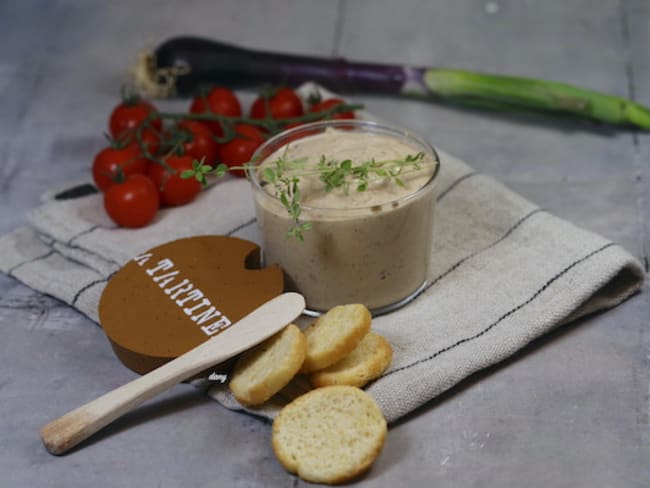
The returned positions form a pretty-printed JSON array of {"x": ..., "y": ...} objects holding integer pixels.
[{"x": 64, "y": 433}]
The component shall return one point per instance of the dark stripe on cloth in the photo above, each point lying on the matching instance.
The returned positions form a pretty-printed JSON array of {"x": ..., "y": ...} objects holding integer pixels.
[
  {"x": 37, "y": 258},
  {"x": 505, "y": 315},
  {"x": 88, "y": 286},
  {"x": 83, "y": 233},
  {"x": 241, "y": 226},
  {"x": 456, "y": 183},
  {"x": 475, "y": 253}
]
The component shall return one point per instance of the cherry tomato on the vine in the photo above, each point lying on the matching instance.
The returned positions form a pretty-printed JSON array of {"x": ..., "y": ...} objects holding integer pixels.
[
  {"x": 329, "y": 103},
  {"x": 221, "y": 101},
  {"x": 199, "y": 141},
  {"x": 293, "y": 125},
  {"x": 303, "y": 133},
  {"x": 284, "y": 104},
  {"x": 172, "y": 189},
  {"x": 133, "y": 202},
  {"x": 128, "y": 115},
  {"x": 150, "y": 140},
  {"x": 111, "y": 161},
  {"x": 240, "y": 149}
]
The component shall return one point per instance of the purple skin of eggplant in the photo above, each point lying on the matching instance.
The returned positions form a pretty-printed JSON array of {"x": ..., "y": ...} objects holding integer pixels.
[
  {"x": 216, "y": 63},
  {"x": 210, "y": 63}
]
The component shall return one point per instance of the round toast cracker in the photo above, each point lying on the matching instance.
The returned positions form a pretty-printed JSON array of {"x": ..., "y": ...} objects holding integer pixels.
[
  {"x": 334, "y": 335},
  {"x": 368, "y": 361},
  {"x": 267, "y": 368},
  {"x": 329, "y": 435}
]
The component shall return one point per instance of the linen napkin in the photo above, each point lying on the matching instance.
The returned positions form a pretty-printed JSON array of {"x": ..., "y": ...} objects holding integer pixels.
[{"x": 503, "y": 273}]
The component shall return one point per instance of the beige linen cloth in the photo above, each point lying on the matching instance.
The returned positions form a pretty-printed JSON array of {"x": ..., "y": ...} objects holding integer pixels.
[{"x": 503, "y": 273}]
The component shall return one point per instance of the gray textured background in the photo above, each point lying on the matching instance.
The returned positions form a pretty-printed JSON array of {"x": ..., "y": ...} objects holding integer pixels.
[{"x": 569, "y": 411}]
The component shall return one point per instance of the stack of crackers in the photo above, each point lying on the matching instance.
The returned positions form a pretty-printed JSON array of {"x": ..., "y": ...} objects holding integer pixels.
[{"x": 333, "y": 433}]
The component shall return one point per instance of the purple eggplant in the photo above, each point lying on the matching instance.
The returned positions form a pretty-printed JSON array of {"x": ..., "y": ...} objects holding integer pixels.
[{"x": 183, "y": 66}]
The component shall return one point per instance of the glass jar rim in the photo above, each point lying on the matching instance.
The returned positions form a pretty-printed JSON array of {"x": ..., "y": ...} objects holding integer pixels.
[{"x": 359, "y": 124}]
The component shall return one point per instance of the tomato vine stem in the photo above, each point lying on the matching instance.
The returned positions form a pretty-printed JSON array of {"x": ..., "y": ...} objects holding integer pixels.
[{"x": 228, "y": 123}]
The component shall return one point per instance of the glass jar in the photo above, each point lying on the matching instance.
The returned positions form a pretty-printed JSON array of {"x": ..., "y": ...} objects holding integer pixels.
[{"x": 371, "y": 246}]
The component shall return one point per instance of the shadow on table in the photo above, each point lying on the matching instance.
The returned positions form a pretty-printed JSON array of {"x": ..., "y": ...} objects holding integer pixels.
[{"x": 194, "y": 397}]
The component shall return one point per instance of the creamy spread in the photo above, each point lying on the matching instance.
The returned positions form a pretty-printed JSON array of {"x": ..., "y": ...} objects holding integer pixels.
[
  {"x": 369, "y": 247},
  {"x": 339, "y": 145}
]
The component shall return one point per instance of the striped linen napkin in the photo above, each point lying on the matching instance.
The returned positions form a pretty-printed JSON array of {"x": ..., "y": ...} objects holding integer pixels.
[{"x": 503, "y": 273}]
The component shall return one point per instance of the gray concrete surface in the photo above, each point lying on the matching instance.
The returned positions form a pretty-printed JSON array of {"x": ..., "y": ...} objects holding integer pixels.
[{"x": 569, "y": 411}]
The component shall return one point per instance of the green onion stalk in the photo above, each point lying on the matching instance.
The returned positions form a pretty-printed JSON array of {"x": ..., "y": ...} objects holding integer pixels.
[{"x": 185, "y": 66}]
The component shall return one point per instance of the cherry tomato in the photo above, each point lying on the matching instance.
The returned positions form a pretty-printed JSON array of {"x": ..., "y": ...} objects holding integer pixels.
[
  {"x": 132, "y": 203},
  {"x": 172, "y": 189},
  {"x": 300, "y": 135},
  {"x": 240, "y": 149},
  {"x": 110, "y": 162},
  {"x": 151, "y": 140},
  {"x": 284, "y": 104},
  {"x": 128, "y": 115},
  {"x": 329, "y": 103},
  {"x": 149, "y": 137},
  {"x": 200, "y": 143},
  {"x": 293, "y": 125},
  {"x": 221, "y": 101}
]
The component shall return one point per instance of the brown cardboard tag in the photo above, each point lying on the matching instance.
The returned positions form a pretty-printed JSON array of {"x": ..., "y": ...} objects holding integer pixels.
[{"x": 173, "y": 297}]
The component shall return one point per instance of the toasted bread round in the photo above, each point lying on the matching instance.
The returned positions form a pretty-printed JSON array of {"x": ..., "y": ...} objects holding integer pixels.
[
  {"x": 267, "y": 368},
  {"x": 334, "y": 335},
  {"x": 368, "y": 361},
  {"x": 329, "y": 435}
]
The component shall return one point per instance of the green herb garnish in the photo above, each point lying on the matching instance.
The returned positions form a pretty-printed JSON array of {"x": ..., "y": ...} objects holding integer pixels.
[{"x": 284, "y": 175}]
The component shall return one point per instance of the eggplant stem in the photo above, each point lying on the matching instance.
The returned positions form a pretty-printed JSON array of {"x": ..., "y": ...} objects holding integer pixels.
[{"x": 155, "y": 82}]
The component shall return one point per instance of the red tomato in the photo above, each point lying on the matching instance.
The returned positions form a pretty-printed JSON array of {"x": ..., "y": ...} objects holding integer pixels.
[
  {"x": 239, "y": 150},
  {"x": 108, "y": 160},
  {"x": 284, "y": 104},
  {"x": 151, "y": 140},
  {"x": 300, "y": 135},
  {"x": 221, "y": 101},
  {"x": 200, "y": 143},
  {"x": 172, "y": 189},
  {"x": 329, "y": 103},
  {"x": 293, "y": 125},
  {"x": 127, "y": 116},
  {"x": 132, "y": 203}
]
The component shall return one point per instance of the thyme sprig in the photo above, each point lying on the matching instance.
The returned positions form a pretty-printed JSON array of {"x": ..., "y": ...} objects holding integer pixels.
[
  {"x": 344, "y": 173},
  {"x": 287, "y": 189},
  {"x": 284, "y": 176}
]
